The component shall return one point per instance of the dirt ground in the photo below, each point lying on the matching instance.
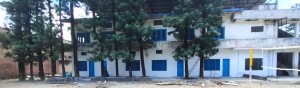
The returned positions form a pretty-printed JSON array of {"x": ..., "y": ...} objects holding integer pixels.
[{"x": 150, "y": 84}]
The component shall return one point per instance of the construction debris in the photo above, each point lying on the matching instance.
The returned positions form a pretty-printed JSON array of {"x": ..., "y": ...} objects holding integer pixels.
[
  {"x": 230, "y": 83},
  {"x": 169, "y": 83},
  {"x": 202, "y": 83}
]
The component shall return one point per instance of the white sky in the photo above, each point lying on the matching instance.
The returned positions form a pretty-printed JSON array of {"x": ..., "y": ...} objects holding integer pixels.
[{"x": 79, "y": 13}]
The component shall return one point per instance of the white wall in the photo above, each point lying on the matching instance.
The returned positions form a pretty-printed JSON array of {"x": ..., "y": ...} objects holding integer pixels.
[{"x": 241, "y": 29}]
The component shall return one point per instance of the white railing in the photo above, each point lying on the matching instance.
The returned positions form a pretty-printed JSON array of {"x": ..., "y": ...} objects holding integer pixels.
[
  {"x": 268, "y": 14},
  {"x": 259, "y": 43}
]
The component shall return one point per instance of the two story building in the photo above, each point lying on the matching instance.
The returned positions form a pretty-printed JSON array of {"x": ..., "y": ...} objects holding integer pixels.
[{"x": 272, "y": 33}]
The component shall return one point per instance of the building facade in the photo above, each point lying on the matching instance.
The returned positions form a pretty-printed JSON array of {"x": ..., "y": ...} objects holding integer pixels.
[{"x": 273, "y": 35}]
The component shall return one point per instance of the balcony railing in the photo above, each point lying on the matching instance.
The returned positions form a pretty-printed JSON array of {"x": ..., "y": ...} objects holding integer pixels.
[
  {"x": 260, "y": 43},
  {"x": 267, "y": 14},
  {"x": 264, "y": 43}
]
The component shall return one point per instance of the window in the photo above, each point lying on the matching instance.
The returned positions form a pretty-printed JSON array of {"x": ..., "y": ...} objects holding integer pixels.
[
  {"x": 158, "y": 22},
  {"x": 135, "y": 65},
  {"x": 83, "y": 37},
  {"x": 257, "y": 29},
  {"x": 82, "y": 65},
  {"x": 106, "y": 34},
  {"x": 107, "y": 25},
  {"x": 257, "y": 63},
  {"x": 158, "y": 51},
  {"x": 132, "y": 52},
  {"x": 212, "y": 64},
  {"x": 191, "y": 34},
  {"x": 159, "y": 65},
  {"x": 83, "y": 53},
  {"x": 159, "y": 35},
  {"x": 221, "y": 31}
]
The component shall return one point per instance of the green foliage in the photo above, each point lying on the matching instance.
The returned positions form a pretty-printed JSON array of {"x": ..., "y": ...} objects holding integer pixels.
[
  {"x": 204, "y": 16},
  {"x": 4, "y": 40},
  {"x": 30, "y": 29},
  {"x": 185, "y": 18},
  {"x": 211, "y": 18},
  {"x": 296, "y": 6}
]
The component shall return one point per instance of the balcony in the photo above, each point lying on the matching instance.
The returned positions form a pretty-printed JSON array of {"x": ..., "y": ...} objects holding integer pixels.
[
  {"x": 268, "y": 14},
  {"x": 266, "y": 43}
]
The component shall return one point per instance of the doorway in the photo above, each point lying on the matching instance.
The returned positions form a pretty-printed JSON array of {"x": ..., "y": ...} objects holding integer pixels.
[{"x": 284, "y": 60}]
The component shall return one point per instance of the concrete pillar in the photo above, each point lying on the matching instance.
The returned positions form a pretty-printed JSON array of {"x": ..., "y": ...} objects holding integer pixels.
[
  {"x": 297, "y": 30},
  {"x": 295, "y": 63}
]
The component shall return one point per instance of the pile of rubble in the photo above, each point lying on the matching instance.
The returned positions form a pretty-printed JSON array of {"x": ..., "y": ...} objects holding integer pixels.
[{"x": 203, "y": 83}]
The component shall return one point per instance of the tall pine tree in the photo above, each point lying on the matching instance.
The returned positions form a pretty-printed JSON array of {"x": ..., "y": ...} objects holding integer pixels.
[
  {"x": 208, "y": 22},
  {"x": 131, "y": 18}
]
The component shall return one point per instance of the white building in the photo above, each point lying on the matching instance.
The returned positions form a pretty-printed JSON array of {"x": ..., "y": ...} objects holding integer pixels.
[{"x": 257, "y": 26}]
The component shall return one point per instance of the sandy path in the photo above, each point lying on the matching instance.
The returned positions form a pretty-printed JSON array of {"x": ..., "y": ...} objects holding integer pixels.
[{"x": 43, "y": 84}]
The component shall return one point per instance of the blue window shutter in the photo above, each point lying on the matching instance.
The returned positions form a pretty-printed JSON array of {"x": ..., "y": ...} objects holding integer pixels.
[
  {"x": 212, "y": 64},
  {"x": 135, "y": 65},
  {"x": 164, "y": 35},
  {"x": 83, "y": 53},
  {"x": 154, "y": 35},
  {"x": 159, "y": 35},
  {"x": 159, "y": 65},
  {"x": 222, "y": 31},
  {"x": 87, "y": 37},
  {"x": 82, "y": 65},
  {"x": 78, "y": 37},
  {"x": 191, "y": 34}
]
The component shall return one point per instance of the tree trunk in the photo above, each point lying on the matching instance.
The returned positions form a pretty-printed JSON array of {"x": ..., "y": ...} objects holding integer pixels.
[
  {"x": 115, "y": 32},
  {"x": 201, "y": 75},
  {"x": 53, "y": 67},
  {"x": 31, "y": 70},
  {"x": 203, "y": 32},
  {"x": 186, "y": 61},
  {"x": 21, "y": 66},
  {"x": 117, "y": 67},
  {"x": 102, "y": 69},
  {"x": 142, "y": 58},
  {"x": 62, "y": 54},
  {"x": 74, "y": 39},
  {"x": 41, "y": 67},
  {"x": 104, "y": 72},
  {"x": 130, "y": 63},
  {"x": 186, "y": 68},
  {"x": 130, "y": 69},
  {"x": 53, "y": 64}
]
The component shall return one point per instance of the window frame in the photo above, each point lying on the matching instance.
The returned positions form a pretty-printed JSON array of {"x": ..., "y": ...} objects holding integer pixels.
[
  {"x": 159, "y": 35},
  {"x": 83, "y": 53},
  {"x": 136, "y": 66},
  {"x": 221, "y": 33},
  {"x": 157, "y": 22},
  {"x": 191, "y": 34},
  {"x": 159, "y": 52},
  {"x": 84, "y": 67},
  {"x": 212, "y": 67},
  {"x": 254, "y": 67},
  {"x": 257, "y": 28},
  {"x": 159, "y": 65},
  {"x": 83, "y": 37}
]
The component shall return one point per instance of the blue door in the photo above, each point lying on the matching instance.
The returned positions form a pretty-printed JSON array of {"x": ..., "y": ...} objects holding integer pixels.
[
  {"x": 91, "y": 69},
  {"x": 180, "y": 68},
  {"x": 226, "y": 67}
]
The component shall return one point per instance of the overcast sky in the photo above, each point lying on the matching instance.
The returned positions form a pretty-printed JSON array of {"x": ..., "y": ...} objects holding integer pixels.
[{"x": 79, "y": 13}]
